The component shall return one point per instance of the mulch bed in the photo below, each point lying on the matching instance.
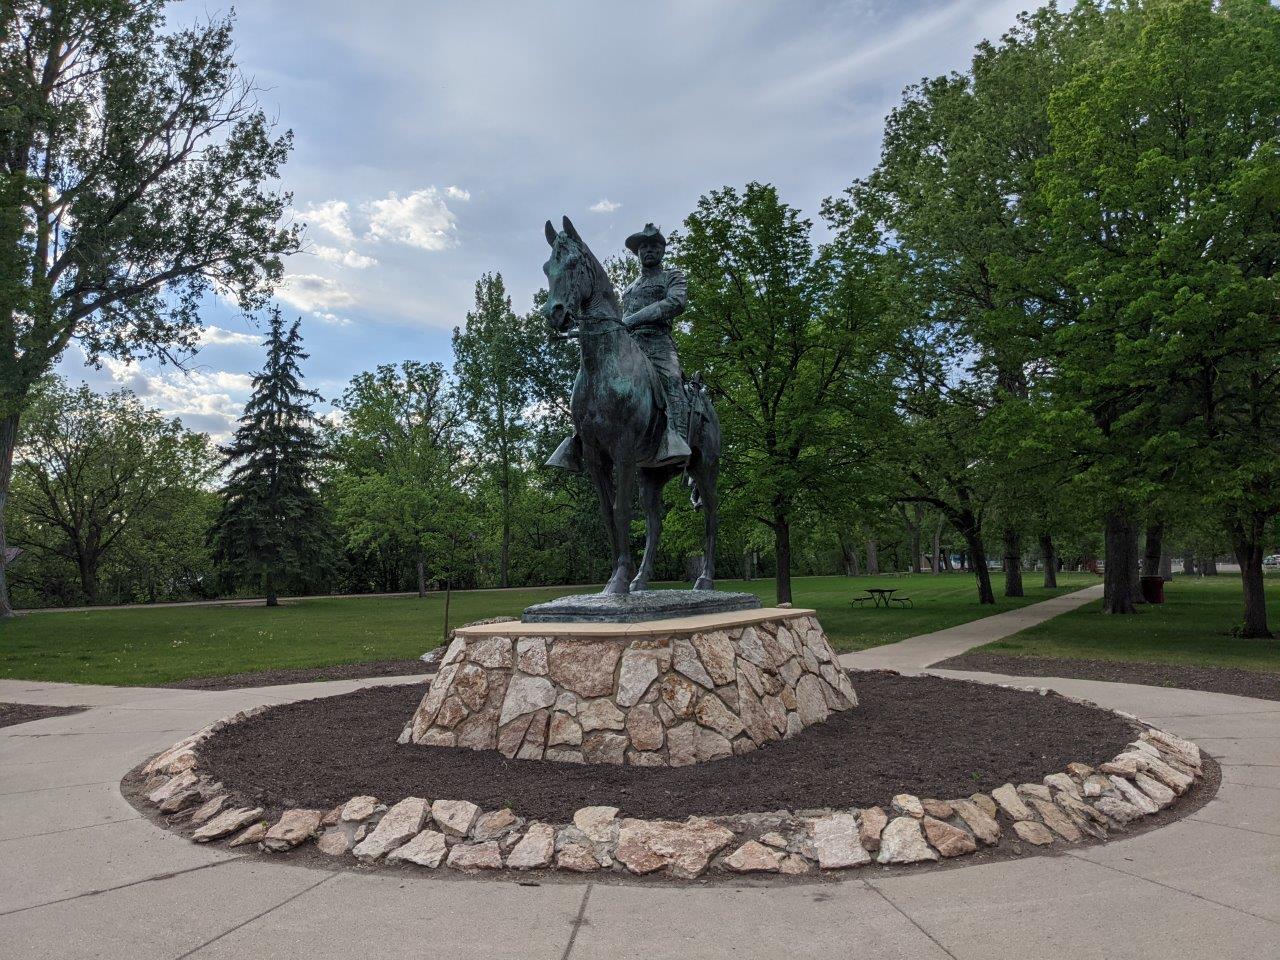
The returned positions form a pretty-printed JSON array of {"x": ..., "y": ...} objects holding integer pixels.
[
  {"x": 270, "y": 678},
  {"x": 924, "y": 735},
  {"x": 1242, "y": 683},
  {"x": 15, "y": 713}
]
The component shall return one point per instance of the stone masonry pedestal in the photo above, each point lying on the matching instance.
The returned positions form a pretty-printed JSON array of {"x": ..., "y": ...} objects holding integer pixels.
[{"x": 659, "y": 693}]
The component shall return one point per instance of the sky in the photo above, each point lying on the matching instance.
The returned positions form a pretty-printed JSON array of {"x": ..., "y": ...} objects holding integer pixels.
[{"x": 432, "y": 140}]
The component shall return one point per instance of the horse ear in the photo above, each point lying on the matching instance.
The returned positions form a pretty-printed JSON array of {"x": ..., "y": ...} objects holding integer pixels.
[
  {"x": 570, "y": 230},
  {"x": 551, "y": 233}
]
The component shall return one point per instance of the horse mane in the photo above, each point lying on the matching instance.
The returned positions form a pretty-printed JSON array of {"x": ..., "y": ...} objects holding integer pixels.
[{"x": 604, "y": 286}]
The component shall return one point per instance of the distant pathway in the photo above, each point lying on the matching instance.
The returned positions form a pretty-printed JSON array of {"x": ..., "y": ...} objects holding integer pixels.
[
  {"x": 914, "y": 654},
  {"x": 83, "y": 875}
]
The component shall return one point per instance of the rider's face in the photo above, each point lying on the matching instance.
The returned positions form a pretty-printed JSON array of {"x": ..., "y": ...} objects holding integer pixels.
[{"x": 650, "y": 253}]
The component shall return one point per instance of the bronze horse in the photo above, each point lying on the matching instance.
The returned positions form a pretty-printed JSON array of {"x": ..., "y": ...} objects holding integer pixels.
[{"x": 619, "y": 414}]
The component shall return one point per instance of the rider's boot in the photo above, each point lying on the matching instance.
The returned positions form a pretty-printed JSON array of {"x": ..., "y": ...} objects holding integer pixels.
[
  {"x": 672, "y": 450},
  {"x": 568, "y": 455}
]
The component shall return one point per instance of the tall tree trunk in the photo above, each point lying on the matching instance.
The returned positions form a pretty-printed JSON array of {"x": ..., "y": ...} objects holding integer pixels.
[
  {"x": 978, "y": 561},
  {"x": 1050, "y": 556},
  {"x": 966, "y": 523},
  {"x": 422, "y": 576},
  {"x": 1166, "y": 566},
  {"x": 87, "y": 565},
  {"x": 1247, "y": 540},
  {"x": 782, "y": 550},
  {"x": 1013, "y": 562},
  {"x": 1120, "y": 587},
  {"x": 873, "y": 558},
  {"x": 937, "y": 547},
  {"x": 914, "y": 527},
  {"x": 270, "y": 585},
  {"x": 1188, "y": 564},
  {"x": 1154, "y": 547},
  {"x": 1209, "y": 567},
  {"x": 8, "y": 442}
]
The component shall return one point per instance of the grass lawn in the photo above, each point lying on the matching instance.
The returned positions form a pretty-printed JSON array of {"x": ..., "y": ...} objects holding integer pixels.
[
  {"x": 1193, "y": 628},
  {"x": 149, "y": 645}
]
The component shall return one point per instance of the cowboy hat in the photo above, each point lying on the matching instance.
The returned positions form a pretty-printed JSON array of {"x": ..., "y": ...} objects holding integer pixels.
[{"x": 650, "y": 232}]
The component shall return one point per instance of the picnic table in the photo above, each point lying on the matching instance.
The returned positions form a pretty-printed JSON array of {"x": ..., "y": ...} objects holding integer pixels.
[{"x": 882, "y": 597}]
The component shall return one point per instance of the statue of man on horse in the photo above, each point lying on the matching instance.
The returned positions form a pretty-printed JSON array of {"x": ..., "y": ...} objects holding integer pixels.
[{"x": 635, "y": 418}]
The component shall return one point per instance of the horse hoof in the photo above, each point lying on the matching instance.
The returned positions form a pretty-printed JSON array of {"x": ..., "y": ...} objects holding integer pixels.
[
  {"x": 617, "y": 587},
  {"x": 704, "y": 583}
]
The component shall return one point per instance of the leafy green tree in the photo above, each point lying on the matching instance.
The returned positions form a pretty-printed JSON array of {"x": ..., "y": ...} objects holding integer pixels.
[
  {"x": 399, "y": 467},
  {"x": 784, "y": 335},
  {"x": 165, "y": 554},
  {"x": 272, "y": 529},
  {"x": 956, "y": 207},
  {"x": 493, "y": 356},
  {"x": 135, "y": 175},
  {"x": 1165, "y": 190},
  {"x": 94, "y": 471}
]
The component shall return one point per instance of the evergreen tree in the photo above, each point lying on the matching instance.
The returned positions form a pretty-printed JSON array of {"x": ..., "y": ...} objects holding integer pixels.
[{"x": 272, "y": 529}]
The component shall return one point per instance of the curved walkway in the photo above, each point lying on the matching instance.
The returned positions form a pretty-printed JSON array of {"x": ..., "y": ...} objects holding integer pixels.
[{"x": 82, "y": 875}]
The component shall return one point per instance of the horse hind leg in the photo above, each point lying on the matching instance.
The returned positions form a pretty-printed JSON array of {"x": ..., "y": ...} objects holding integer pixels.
[
  {"x": 651, "y": 485},
  {"x": 704, "y": 482}
]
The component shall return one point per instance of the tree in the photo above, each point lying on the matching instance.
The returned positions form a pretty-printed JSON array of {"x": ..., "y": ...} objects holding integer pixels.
[
  {"x": 134, "y": 176},
  {"x": 956, "y": 207},
  {"x": 272, "y": 529},
  {"x": 784, "y": 335},
  {"x": 492, "y": 360},
  {"x": 399, "y": 466},
  {"x": 1165, "y": 189},
  {"x": 92, "y": 471}
]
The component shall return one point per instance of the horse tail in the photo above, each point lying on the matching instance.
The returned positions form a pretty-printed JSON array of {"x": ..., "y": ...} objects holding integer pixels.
[{"x": 704, "y": 433}]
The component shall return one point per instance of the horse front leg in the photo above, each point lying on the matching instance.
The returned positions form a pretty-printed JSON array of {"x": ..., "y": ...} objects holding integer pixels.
[
  {"x": 651, "y": 484},
  {"x": 623, "y": 497},
  {"x": 601, "y": 472}
]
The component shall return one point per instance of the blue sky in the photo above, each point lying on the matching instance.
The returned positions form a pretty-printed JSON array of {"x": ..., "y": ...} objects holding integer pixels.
[{"x": 433, "y": 139}]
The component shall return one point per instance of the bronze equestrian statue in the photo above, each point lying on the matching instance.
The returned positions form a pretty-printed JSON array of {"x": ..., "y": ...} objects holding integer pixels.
[{"x": 634, "y": 414}]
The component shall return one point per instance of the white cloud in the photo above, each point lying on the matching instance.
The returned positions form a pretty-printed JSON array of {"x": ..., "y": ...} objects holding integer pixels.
[
  {"x": 457, "y": 193},
  {"x": 422, "y": 220},
  {"x": 346, "y": 258},
  {"x": 207, "y": 400},
  {"x": 313, "y": 293},
  {"x": 211, "y": 336},
  {"x": 332, "y": 216},
  {"x": 332, "y": 319},
  {"x": 604, "y": 205}
]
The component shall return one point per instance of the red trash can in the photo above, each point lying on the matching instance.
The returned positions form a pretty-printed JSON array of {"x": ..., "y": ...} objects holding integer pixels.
[{"x": 1153, "y": 589}]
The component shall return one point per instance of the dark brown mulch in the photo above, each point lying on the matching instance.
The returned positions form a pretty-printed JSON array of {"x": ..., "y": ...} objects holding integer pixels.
[
  {"x": 15, "y": 713},
  {"x": 1242, "y": 683},
  {"x": 924, "y": 735},
  {"x": 270, "y": 678}
]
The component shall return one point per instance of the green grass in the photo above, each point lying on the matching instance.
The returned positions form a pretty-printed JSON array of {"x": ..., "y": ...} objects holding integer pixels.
[
  {"x": 149, "y": 645},
  {"x": 1193, "y": 627}
]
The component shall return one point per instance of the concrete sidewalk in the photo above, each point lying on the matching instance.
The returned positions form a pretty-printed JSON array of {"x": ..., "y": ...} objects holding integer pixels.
[{"x": 81, "y": 875}]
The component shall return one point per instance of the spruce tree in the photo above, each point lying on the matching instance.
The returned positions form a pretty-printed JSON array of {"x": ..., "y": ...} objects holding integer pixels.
[{"x": 272, "y": 530}]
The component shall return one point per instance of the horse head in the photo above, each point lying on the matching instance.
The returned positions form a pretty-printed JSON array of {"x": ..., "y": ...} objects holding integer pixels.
[{"x": 575, "y": 278}]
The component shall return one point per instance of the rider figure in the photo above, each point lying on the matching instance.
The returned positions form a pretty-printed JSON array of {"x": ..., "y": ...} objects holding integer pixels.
[{"x": 649, "y": 305}]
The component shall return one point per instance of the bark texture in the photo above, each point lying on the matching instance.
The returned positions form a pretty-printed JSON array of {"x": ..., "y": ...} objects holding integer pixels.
[
  {"x": 1119, "y": 578},
  {"x": 1049, "y": 554},
  {"x": 1013, "y": 563}
]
